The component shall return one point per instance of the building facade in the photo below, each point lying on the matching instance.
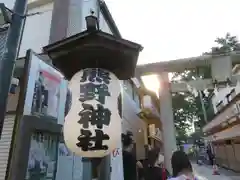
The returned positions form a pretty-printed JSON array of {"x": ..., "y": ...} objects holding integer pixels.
[
  {"x": 224, "y": 128},
  {"x": 137, "y": 105}
]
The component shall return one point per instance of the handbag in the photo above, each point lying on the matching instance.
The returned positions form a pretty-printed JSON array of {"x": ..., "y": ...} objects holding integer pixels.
[{"x": 164, "y": 174}]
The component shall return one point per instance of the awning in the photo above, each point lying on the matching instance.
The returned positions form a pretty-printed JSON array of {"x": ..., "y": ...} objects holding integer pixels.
[
  {"x": 156, "y": 138},
  {"x": 226, "y": 134},
  {"x": 147, "y": 116}
]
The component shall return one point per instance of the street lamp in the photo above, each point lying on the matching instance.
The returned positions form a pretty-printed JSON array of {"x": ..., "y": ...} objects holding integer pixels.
[
  {"x": 5, "y": 15},
  {"x": 92, "y": 22}
]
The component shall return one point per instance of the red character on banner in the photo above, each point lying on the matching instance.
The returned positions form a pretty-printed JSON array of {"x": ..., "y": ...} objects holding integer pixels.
[{"x": 115, "y": 152}]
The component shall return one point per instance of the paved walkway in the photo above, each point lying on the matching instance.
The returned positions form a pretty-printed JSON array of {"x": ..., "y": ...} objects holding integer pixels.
[{"x": 206, "y": 173}]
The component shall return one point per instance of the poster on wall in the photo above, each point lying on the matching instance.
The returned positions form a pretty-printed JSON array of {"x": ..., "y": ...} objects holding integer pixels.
[
  {"x": 42, "y": 161},
  {"x": 44, "y": 94}
]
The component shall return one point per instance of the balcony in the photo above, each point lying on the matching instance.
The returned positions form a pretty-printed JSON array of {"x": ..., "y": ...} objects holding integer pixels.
[
  {"x": 226, "y": 117},
  {"x": 155, "y": 133}
]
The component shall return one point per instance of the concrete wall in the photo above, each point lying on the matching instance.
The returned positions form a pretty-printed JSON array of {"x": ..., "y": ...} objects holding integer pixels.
[
  {"x": 37, "y": 28},
  {"x": 131, "y": 122},
  {"x": 227, "y": 155}
]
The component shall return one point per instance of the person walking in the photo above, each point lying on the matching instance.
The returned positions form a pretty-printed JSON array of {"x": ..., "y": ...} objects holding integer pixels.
[
  {"x": 181, "y": 166},
  {"x": 155, "y": 169},
  {"x": 210, "y": 154},
  {"x": 130, "y": 164}
]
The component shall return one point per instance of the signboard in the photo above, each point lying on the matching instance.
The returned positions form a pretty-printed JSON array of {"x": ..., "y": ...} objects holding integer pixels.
[
  {"x": 44, "y": 89},
  {"x": 92, "y": 127},
  {"x": 47, "y": 95}
]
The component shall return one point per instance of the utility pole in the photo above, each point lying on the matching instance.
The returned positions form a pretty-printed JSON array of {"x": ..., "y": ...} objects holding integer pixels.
[
  {"x": 203, "y": 107},
  {"x": 7, "y": 63}
]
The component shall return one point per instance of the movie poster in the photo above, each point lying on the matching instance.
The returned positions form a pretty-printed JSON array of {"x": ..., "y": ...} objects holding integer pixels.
[
  {"x": 42, "y": 162},
  {"x": 44, "y": 90},
  {"x": 46, "y": 93}
]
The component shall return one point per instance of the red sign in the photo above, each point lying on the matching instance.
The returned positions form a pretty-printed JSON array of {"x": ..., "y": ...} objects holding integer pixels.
[{"x": 115, "y": 152}]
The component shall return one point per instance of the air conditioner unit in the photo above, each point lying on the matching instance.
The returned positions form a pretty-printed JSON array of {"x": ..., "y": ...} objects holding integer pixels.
[
  {"x": 155, "y": 132},
  {"x": 14, "y": 85},
  {"x": 152, "y": 130},
  {"x": 148, "y": 104},
  {"x": 158, "y": 133}
]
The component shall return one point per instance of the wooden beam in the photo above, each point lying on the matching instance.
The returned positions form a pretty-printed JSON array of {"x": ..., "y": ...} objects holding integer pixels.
[
  {"x": 199, "y": 85},
  {"x": 182, "y": 64}
]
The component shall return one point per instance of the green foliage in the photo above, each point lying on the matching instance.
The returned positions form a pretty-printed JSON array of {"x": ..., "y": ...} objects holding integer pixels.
[
  {"x": 225, "y": 44},
  {"x": 187, "y": 108},
  {"x": 193, "y": 138}
]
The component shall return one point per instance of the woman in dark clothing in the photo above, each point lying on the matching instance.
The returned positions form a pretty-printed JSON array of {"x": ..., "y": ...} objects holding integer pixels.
[
  {"x": 129, "y": 160},
  {"x": 156, "y": 170},
  {"x": 210, "y": 154},
  {"x": 181, "y": 166}
]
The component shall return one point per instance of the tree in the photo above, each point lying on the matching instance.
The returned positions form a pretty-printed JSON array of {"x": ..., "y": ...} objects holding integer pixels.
[
  {"x": 225, "y": 45},
  {"x": 187, "y": 108}
]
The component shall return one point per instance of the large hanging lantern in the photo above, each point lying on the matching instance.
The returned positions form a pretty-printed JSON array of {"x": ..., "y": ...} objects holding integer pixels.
[{"x": 92, "y": 126}]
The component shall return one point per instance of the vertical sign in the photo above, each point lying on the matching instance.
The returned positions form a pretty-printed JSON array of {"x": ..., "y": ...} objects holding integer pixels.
[{"x": 92, "y": 127}]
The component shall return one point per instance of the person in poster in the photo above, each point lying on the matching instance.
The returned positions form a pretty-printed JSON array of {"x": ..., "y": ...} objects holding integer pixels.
[
  {"x": 42, "y": 157},
  {"x": 37, "y": 164},
  {"x": 46, "y": 94},
  {"x": 38, "y": 97}
]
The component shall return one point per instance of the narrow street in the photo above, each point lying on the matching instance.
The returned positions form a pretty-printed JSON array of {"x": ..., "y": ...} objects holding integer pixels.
[{"x": 206, "y": 173}]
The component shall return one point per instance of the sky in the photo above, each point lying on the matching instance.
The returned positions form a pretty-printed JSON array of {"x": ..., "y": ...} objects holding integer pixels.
[{"x": 172, "y": 29}]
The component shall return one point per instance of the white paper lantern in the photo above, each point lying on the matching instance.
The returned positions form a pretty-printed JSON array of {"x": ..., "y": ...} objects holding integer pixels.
[{"x": 92, "y": 126}]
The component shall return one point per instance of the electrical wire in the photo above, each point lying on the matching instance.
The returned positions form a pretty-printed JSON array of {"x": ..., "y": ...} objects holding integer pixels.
[{"x": 38, "y": 13}]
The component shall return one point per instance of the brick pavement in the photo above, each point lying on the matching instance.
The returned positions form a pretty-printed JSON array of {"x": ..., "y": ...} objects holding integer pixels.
[{"x": 206, "y": 173}]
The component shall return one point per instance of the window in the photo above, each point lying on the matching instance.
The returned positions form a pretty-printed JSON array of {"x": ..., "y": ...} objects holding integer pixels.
[
  {"x": 129, "y": 87},
  {"x": 219, "y": 106},
  {"x": 238, "y": 106},
  {"x": 230, "y": 96},
  {"x": 136, "y": 97},
  {"x": 233, "y": 93}
]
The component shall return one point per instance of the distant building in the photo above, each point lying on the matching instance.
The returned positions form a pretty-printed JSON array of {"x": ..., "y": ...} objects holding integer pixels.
[{"x": 224, "y": 128}]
